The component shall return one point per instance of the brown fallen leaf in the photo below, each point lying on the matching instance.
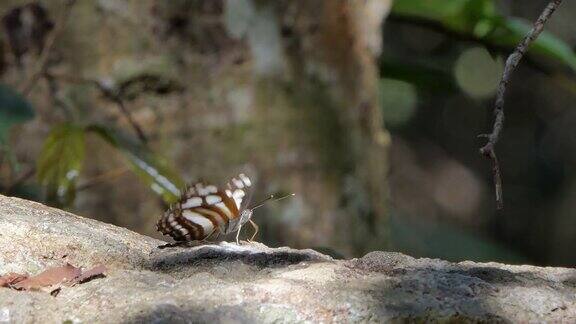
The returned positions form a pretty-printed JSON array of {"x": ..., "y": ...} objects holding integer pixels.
[
  {"x": 96, "y": 272},
  {"x": 50, "y": 277},
  {"x": 12, "y": 278},
  {"x": 53, "y": 279}
]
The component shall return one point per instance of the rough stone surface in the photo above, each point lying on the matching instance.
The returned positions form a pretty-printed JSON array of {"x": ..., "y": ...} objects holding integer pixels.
[{"x": 254, "y": 283}]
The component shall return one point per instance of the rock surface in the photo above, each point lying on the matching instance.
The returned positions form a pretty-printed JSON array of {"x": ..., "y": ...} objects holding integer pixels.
[{"x": 254, "y": 283}]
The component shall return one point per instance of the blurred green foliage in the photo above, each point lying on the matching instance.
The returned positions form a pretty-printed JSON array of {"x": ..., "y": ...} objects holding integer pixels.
[
  {"x": 14, "y": 109},
  {"x": 477, "y": 73},
  {"x": 152, "y": 169},
  {"x": 422, "y": 77},
  {"x": 461, "y": 15},
  {"x": 452, "y": 52},
  {"x": 438, "y": 239},
  {"x": 477, "y": 69},
  {"x": 60, "y": 162},
  {"x": 546, "y": 44},
  {"x": 479, "y": 20},
  {"x": 399, "y": 100}
]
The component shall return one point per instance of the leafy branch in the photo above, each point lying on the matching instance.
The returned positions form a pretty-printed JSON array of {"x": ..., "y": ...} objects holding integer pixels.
[
  {"x": 150, "y": 168},
  {"x": 63, "y": 154}
]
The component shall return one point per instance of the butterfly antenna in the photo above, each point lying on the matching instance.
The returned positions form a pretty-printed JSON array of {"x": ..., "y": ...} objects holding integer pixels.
[{"x": 271, "y": 198}]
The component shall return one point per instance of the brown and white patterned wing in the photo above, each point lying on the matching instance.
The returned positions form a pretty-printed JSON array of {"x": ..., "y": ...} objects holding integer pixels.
[
  {"x": 204, "y": 210},
  {"x": 238, "y": 189},
  {"x": 170, "y": 223}
]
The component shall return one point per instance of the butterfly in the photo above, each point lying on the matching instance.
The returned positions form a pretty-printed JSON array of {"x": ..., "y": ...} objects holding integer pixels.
[{"x": 206, "y": 211}]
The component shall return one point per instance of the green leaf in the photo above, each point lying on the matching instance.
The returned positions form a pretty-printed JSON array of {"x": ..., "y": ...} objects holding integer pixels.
[
  {"x": 479, "y": 20},
  {"x": 150, "y": 168},
  {"x": 460, "y": 15},
  {"x": 60, "y": 162},
  {"x": 14, "y": 109},
  {"x": 514, "y": 30},
  {"x": 431, "y": 9},
  {"x": 422, "y": 76}
]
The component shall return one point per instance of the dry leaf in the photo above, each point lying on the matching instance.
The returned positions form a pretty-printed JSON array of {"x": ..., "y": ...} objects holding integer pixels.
[
  {"x": 10, "y": 279},
  {"x": 88, "y": 275},
  {"x": 50, "y": 277}
]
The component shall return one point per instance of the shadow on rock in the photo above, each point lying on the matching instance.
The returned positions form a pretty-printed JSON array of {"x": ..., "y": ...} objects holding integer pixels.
[
  {"x": 171, "y": 313},
  {"x": 168, "y": 260},
  {"x": 432, "y": 290}
]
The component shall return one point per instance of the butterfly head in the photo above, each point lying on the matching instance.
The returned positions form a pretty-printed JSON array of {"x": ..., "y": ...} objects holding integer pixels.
[{"x": 245, "y": 215}]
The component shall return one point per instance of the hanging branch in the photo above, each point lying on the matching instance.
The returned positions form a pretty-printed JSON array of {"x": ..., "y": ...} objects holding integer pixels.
[
  {"x": 42, "y": 63},
  {"x": 110, "y": 94},
  {"x": 511, "y": 64},
  {"x": 21, "y": 178}
]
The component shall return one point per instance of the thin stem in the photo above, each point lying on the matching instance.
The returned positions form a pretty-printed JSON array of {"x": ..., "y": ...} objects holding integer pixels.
[
  {"x": 511, "y": 63},
  {"x": 21, "y": 178},
  {"x": 111, "y": 95},
  {"x": 42, "y": 63},
  {"x": 112, "y": 174}
]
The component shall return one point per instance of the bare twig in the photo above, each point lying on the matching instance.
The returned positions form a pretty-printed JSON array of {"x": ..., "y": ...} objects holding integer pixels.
[
  {"x": 41, "y": 65},
  {"x": 54, "y": 93},
  {"x": 511, "y": 64},
  {"x": 111, "y": 95},
  {"x": 112, "y": 174},
  {"x": 21, "y": 178}
]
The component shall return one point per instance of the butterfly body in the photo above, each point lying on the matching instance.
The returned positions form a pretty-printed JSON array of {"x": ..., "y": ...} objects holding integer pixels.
[{"x": 206, "y": 211}]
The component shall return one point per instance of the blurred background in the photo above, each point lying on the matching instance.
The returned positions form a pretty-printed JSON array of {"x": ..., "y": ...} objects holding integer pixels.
[{"x": 367, "y": 110}]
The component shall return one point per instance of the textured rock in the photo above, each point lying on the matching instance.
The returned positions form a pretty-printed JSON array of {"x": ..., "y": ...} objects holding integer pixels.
[{"x": 254, "y": 283}]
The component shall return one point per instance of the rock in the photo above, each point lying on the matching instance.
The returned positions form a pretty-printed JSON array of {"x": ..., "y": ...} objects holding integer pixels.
[{"x": 254, "y": 283}]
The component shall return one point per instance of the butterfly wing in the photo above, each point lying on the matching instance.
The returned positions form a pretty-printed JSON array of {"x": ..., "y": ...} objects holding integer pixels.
[
  {"x": 205, "y": 210},
  {"x": 238, "y": 188},
  {"x": 174, "y": 223}
]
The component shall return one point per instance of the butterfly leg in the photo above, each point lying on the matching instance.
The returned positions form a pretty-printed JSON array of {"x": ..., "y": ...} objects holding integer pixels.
[
  {"x": 213, "y": 235},
  {"x": 255, "y": 230},
  {"x": 238, "y": 235}
]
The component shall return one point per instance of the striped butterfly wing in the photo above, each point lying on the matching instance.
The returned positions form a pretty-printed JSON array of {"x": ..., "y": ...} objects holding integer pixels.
[
  {"x": 174, "y": 223},
  {"x": 205, "y": 211},
  {"x": 238, "y": 188}
]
